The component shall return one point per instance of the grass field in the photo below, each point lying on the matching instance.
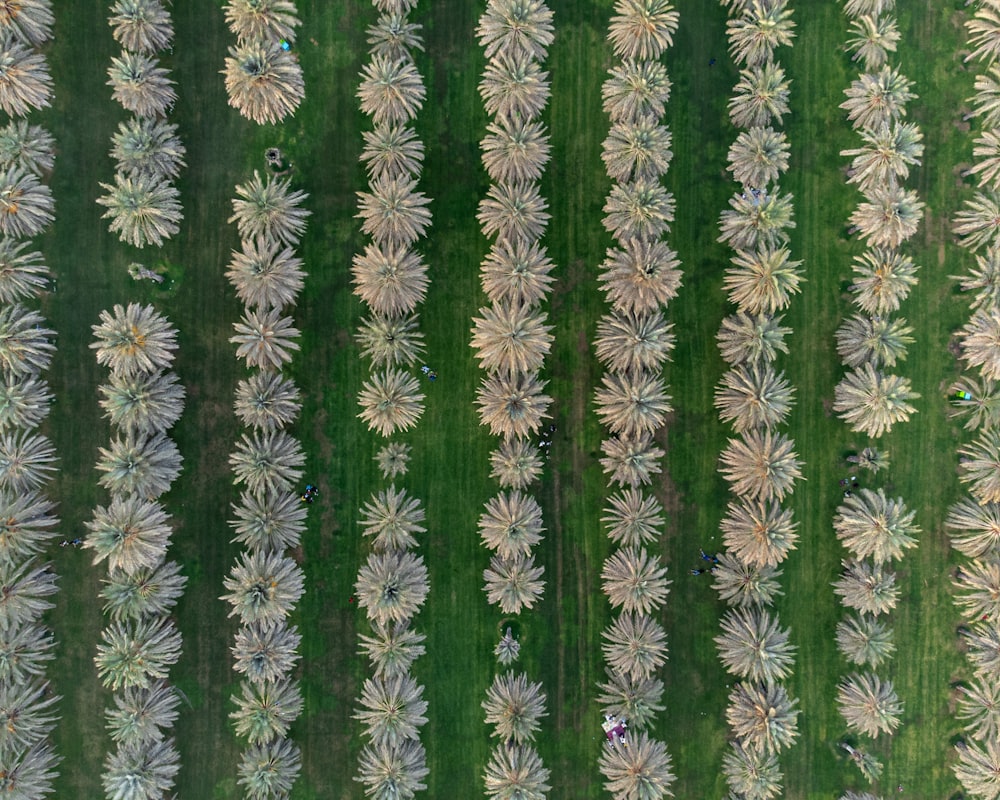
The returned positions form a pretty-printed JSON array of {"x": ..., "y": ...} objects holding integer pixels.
[{"x": 450, "y": 468}]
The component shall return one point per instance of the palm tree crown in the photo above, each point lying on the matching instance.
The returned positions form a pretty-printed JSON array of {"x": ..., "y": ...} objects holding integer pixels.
[
  {"x": 263, "y": 81},
  {"x": 25, "y": 83},
  {"x": 142, "y": 26},
  {"x": 144, "y": 209},
  {"x": 270, "y": 210}
]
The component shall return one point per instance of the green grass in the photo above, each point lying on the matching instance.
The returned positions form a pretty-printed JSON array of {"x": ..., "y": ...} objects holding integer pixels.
[{"x": 450, "y": 468}]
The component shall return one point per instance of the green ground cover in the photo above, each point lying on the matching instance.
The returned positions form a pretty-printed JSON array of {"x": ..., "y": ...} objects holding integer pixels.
[{"x": 450, "y": 469}]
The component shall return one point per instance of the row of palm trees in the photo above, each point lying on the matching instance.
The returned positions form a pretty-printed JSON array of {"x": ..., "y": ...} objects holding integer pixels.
[
  {"x": 27, "y": 458},
  {"x": 510, "y": 339},
  {"x": 262, "y": 74},
  {"x": 634, "y": 341},
  {"x": 390, "y": 277},
  {"x": 131, "y": 534},
  {"x": 143, "y": 204},
  {"x": 973, "y": 522},
  {"x": 265, "y": 583}
]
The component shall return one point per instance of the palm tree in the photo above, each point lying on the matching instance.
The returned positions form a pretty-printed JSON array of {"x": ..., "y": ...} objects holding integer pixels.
[
  {"x": 25, "y": 83},
  {"x": 22, "y": 274},
  {"x": 638, "y": 700},
  {"x": 642, "y": 29},
  {"x": 263, "y": 588},
  {"x": 759, "y": 533},
  {"x": 391, "y": 279},
  {"x": 870, "y": 458},
  {"x": 391, "y": 401},
  {"x": 638, "y": 771},
  {"x": 26, "y": 461},
  {"x": 143, "y": 209},
  {"x": 392, "y": 710},
  {"x": 30, "y": 147},
  {"x": 760, "y": 97},
  {"x": 516, "y": 272},
  {"x": 392, "y": 586},
  {"x": 513, "y": 583},
  {"x": 754, "y": 34},
  {"x": 511, "y": 524},
  {"x": 134, "y": 340},
  {"x": 393, "y": 459},
  {"x": 984, "y": 280},
  {"x": 514, "y": 706},
  {"x": 982, "y": 648},
  {"x": 889, "y": 216},
  {"x": 878, "y": 341},
  {"x": 516, "y": 27},
  {"x": 762, "y": 717},
  {"x": 515, "y": 150},
  {"x": 872, "y": 402},
  {"x": 393, "y": 213},
  {"x": 975, "y": 528},
  {"x": 633, "y": 518},
  {"x": 29, "y": 773},
  {"x": 979, "y": 707},
  {"x": 642, "y": 209},
  {"x": 30, "y": 21},
  {"x": 978, "y": 222},
  {"x": 979, "y": 582},
  {"x": 24, "y": 402},
  {"x": 877, "y": 98},
  {"x": 864, "y": 640},
  {"x": 516, "y": 773},
  {"x": 752, "y": 646},
  {"x": 868, "y": 704},
  {"x": 510, "y": 338},
  {"x": 263, "y": 81},
  {"x": 856, "y": 8},
  {"x": 144, "y": 466},
  {"x": 641, "y": 275},
  {"x": 265, "y": 339},
  {"x": 142, "y": 26},
  {"x": 26, "y": 206},
  {"x": 394, "y": 36},
  {"x": 26, "y": 715},
  {"x": 391, "y": 91},
  {"x": 26, "y": 524},
  {"x": 269, "y": 521},
  {"x": 759, "y": 156},
  {"x": 514, "y": 85},
  {"x": 866, "y": 587},
  {"x": 635, "y": 644},
  {"x": 630, "y": 461},
  {"x": 761, "y": 465},
  {"x": 637, "y": 150},
  {"x": 634, "y": 581},
  {"x": 137, "y": 654},
  {"x": 872, "y": 38},
  {"x": 265, "y": 710},
  {"x": 267, "y": 462},
  {"x": 984, "y": 32},
  {"x": 752, "y": 338},
  {"x": 25, "y": 648},
  {"x": 142, "y": 771},
  {"x": 513, "y": 211},
  {"x": 871, "y": 525},
  {"x": 754, "y": 397},
  {"x": 269, "y": 770},
  {"x": 980, "y": 338},
  {"x": 758, "y": 222},
  {"x": 265, "y": 654},
  {"x": 148, "y": 594},
  {"x": 632, "y": 405},
  {"x": 392, "y": 152},
  {"x": 751, "y": 775},
  {"x": 140, "y": 716},
  {"x": 636, "y": 89},
  {"x": 885, "y": 156},
  {"x": 266, "y": 274},
  {"x": 269, "y": 210},
  {"x": 393, "y": 772},
  {"x": 516, "y": 463},
  {"x": 884, "y": 279},
  {"x": 267, "y": 401},
  {"x": 142, "y": 403},
  {"x": 140, "y": 85},
  {"x": 978, "y": 768},
  {"x": 508, "y": 649},
  {"x": 987, "y": 98},
  {"x": 131, "y": 534},
  {"x": 393, "y": 518},
  {"x": 270, "y": 20},
  {"x": 634, "y": 343},
  {"x": 741, "y": 584},
  {"x": 393, "y": 648},
  {"x": 513, "y": 406}
]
